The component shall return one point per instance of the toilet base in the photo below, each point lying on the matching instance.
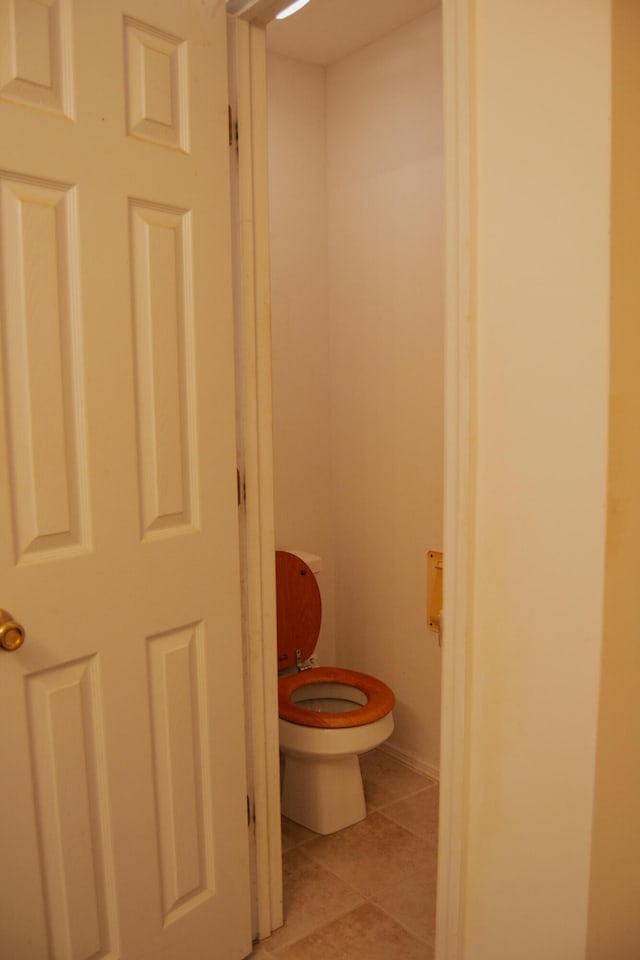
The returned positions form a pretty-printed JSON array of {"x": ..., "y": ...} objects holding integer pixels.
[{"x": 323, "y": 794}]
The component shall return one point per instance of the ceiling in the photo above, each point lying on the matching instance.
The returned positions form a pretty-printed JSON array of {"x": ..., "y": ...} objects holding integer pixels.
[{"x": 326, "y": 30}]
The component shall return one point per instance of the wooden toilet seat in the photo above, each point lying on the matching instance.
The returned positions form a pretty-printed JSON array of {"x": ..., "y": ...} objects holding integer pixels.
[
  {"x": 299, "y": 614},
  {"x": 380, "y": 698}
]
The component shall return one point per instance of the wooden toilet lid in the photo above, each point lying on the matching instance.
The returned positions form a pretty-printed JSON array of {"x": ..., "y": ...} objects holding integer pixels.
[
  {"x": 380, "y": 698},
  {"x": 298, "y": 609}
]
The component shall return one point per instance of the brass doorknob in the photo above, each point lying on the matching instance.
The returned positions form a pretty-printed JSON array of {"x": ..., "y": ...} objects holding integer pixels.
[{"x": 11, "y": 632}]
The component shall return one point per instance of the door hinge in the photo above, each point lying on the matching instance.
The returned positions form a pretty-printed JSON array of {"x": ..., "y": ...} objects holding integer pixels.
[
  {"x": 233, "y": 128},
  {"x": 242, "y": 488}
]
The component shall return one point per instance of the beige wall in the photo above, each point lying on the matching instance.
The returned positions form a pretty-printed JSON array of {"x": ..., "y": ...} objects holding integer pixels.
[
  {"x": 358, "y": 363},
  {"x": 614, "y": 919},
  {"x": 540, "y": 171}
]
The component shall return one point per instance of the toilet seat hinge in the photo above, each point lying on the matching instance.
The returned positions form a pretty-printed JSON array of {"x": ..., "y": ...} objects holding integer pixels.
[{"x": 303, "y": 665}]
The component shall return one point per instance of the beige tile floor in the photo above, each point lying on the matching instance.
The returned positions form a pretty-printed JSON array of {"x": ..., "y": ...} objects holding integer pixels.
[{"x": 369, "y": 890}]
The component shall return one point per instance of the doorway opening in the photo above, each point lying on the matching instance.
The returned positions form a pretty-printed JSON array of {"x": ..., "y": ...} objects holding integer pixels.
[
  {"x": 357, "y": 295},
  {"x": 357, "y": 307}
]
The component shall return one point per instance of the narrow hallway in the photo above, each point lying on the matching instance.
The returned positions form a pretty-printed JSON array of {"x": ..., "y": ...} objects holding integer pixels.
[{"x": 369, "y": 890}]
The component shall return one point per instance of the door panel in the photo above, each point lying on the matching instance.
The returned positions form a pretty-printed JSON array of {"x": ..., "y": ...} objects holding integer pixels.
[
  {"x": 41, "y": 329},
  {"x": 123, "y": 749},
  {"x": 164, "y": 343},
  {"x": 71, "y": 809}
]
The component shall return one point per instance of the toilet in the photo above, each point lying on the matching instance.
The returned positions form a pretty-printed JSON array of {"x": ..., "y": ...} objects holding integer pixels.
[{"x": 328, "y": 716}]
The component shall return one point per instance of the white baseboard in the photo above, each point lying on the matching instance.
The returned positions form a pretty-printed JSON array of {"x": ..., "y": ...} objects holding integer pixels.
[{"x": 409, "y": 760}]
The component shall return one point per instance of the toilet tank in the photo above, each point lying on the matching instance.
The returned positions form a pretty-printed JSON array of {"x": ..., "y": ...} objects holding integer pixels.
[{"x": 312, "y": 560}]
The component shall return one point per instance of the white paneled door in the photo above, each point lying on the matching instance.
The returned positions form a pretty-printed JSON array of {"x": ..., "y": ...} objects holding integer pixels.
[{"x": 123, "y": 824}]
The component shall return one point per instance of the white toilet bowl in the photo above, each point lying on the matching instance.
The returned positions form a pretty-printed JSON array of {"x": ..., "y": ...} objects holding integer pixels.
[
  {"x": 328, "y": 716},
  {"x": 322, "y": 784}
]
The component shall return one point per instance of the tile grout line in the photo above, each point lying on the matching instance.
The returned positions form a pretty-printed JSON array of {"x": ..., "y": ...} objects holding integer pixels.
[
  {"x": 340, "y": 879},
  {"x": 314, "y": 930},
  {"x": 418, "y": 836},
  {"x": 340, "y": 916},
  {"x": 428, "y": 942},
  {"x": 406, "y": 796}
]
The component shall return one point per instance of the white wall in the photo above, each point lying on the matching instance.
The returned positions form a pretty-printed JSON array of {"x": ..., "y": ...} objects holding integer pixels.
[
  {"x": 540, "y": 175},
  {"x": 358, "y": 364},
  {"x": 300, "y": 332},
  {"x": 386, "y": 317}
]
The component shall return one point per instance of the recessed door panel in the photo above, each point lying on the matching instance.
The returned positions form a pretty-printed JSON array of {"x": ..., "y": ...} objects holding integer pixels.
[
  {"x": 157, "y": 87},
  {"x": 182, "y": 788},
  {"x": 35, "y": 54},
  {"x": 67, "y": 750},
  {"x": 43, "y": 375},
  {"x": 162, "y": 308}
]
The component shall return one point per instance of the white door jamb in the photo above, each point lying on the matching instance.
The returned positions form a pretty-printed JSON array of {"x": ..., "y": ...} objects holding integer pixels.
[
  {"x": 459, "y": 471},
  {"x": 256, "y": 441}
]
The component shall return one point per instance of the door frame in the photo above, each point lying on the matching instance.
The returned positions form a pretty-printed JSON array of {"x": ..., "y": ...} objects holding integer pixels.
[
  {"x": 251, "y": 18},
  {"x": 459, "y": 476},
  {"x": 250, "y": 198}
]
